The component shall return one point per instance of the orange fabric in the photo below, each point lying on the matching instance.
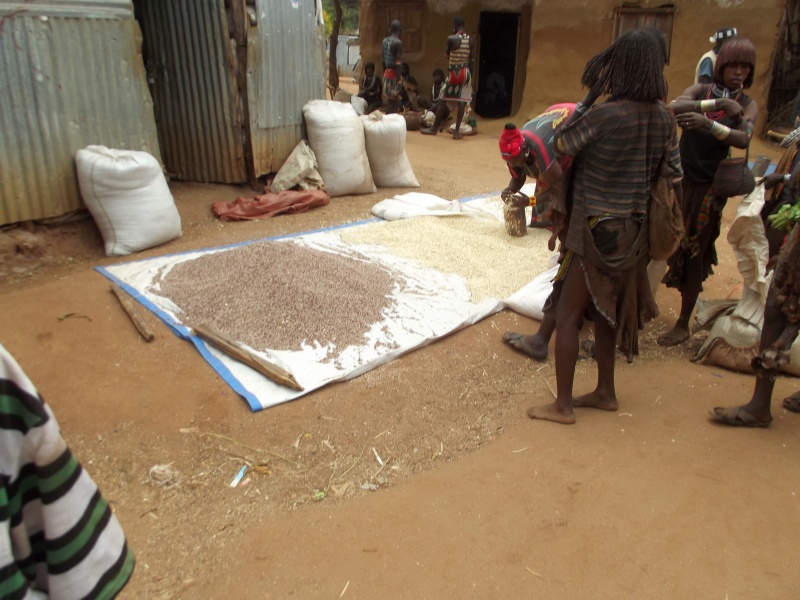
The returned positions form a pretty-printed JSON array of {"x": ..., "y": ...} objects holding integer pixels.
[{"x": 268, "y": 205}]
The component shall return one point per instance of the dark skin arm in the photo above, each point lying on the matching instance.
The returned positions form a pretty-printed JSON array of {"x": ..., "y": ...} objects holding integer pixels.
[
  {"x": 588, "y": 100},
  {"x": 773, "y": 179},
  {"x": 550, "y": 177},
  {"x": 514, "y": 186},
  {"x": 689, "y": 116}
]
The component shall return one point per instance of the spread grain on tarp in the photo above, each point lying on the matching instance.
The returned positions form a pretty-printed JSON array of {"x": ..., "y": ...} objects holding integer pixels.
[
  {"x": 479, "y": 250},
  {"x": 278, "y": 295}
]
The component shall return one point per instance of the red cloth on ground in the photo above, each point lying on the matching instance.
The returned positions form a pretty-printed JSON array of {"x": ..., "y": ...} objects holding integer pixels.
[{"x": 268, "y": 205}]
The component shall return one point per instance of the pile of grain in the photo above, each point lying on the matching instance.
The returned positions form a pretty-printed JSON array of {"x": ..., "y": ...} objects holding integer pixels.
[
  {"x": 278, "y": 294},
  {"x": 479, "y": 250}
]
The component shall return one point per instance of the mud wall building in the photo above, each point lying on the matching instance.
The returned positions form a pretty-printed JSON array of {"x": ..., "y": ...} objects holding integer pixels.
[{"x": 540, "y": 47}]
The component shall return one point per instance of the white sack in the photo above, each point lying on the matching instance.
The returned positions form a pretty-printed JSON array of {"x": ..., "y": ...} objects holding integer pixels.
[
  {"x": 359, "y": 104},
  {"x": 529, "y": 301},
  {"x": 419, "y": 204},
  {"x": 336, "y": 135},
  {"x": 128, "y": 196},
  {"x": 385, "y": 137},
  {"x": 299, "y": 169},
  {"x": 464, "y": 129},
  {"x": 741, "y": 326}
]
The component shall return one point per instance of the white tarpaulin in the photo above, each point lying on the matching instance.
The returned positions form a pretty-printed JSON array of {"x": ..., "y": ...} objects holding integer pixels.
[{"x": 426, "y": 304}]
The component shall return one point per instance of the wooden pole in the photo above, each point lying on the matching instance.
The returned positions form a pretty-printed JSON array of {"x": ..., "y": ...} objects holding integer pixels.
[
  {"x": 132, "y": 313},
  {"x": 236, "y": 350}
]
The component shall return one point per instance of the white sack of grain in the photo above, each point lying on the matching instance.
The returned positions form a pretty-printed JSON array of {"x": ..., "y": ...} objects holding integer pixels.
[
  {"x": 419, "y": 204},
  {"x": 385, "y": 137},
  {"x": 128, "y": 196},
  {"x": 299, "y": 169},
  {"x": 336, "y": 135},
  {"x": 359, "y": 104},
  {"x": 529, "y": 301}
]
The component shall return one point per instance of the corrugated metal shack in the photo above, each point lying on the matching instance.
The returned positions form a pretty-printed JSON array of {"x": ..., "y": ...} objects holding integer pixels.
[
  {"x": 70, "y": 76},
  {"x": 212, "y": 88}
]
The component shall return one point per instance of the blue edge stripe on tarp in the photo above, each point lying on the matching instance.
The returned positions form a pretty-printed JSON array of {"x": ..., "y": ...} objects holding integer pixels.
[{"x": 184, "y": 332}]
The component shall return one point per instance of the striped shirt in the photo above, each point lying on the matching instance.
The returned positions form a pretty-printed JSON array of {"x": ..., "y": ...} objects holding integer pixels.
[
  {"x": 59, "y": 537},
  {"x": 618, "y": 146},
  {"x": 460, "y": 56}
]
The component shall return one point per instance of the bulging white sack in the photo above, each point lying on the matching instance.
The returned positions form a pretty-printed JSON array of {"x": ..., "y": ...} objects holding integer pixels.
[
  {"x": 385, "y": 137},
  {"x": 128, "y": 196},
  {"x": 359, "y": 104},
  {"x": 336, "y": 135}
]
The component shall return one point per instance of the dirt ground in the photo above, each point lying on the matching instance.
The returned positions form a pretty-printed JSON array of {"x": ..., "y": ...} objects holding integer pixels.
[{"x": 422, "y": 478}]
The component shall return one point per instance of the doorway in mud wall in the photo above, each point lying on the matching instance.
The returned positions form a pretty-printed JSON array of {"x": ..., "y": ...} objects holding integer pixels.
[{"x": 497, "y": 62}]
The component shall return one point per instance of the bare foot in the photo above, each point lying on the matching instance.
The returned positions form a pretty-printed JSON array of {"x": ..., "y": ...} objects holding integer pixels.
[
  {"x": 457, "y": 135},
  {"x": 675, "y": 336},
  {"x": 595, "y": 400},
  {"x": 531, "y": 345},
  {"x": 551, "y": 412},
  {"x": 429, "y": 131}
]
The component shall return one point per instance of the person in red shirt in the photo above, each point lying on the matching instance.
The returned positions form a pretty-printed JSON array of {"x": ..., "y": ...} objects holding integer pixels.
[{"x": 529, "y": 152}]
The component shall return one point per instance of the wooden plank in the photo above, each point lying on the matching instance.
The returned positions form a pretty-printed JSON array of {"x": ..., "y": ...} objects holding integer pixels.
[
  {"x": 133, "y": 314},
  {"x": 235, "y": 350}
]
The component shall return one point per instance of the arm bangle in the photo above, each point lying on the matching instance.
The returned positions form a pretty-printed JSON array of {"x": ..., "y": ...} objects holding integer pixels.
[
  {"x": 720, "y": 132},
  {"x": 787, "y": 178},
  {"x": 706, "y": 105},
  {"x": 581, "y": 108}
]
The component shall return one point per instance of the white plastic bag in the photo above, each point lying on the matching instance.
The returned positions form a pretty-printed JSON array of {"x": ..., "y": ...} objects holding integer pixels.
[
  {"x": 336, "y": 135},
  {"x": 128, "y": 196},
  {"x": 419, "y": 204},
  {"x": 385, "y": 137}
]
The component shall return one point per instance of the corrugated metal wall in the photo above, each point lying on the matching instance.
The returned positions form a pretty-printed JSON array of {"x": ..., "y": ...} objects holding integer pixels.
[
  {"x": 65, "y": 83},
  {"x": 287, "y": 66},
  {"x": 190, "y": 59}
]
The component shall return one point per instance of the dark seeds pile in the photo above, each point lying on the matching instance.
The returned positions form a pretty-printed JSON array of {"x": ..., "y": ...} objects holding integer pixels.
[{"x": 278, "y": 294}]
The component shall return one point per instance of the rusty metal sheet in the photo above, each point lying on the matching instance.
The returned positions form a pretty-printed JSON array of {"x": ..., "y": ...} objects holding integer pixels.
[
  {"x": 82, "y": 9},
  {"x": 63, "y": 87},
  {"x": 287, "y": 64},
  {"x": 190, "y": 62}
]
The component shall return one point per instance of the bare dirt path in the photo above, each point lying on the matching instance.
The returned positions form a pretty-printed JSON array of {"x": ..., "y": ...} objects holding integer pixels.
[{"x": 474, "y": 500}]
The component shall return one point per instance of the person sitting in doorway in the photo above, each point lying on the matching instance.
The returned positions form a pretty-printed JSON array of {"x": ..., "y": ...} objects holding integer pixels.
[
  {"x": 409, "y": 93},
  {"x": 370, "y": 88}
]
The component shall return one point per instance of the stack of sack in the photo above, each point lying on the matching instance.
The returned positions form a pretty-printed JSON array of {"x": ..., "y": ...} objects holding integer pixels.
[{"x": 357, "y": 154}]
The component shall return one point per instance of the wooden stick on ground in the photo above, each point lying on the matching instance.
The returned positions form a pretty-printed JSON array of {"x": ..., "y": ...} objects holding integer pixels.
[
  {"x": 776, "y": 135},
  {"x": 130, "y": 309},
  {"x": 235, "y": 350}
]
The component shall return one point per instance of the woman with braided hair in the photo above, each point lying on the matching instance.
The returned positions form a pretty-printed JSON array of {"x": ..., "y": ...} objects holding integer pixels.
[
  {"x": 618, "y": 147},
  {"x": 714, "y": 117}
]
